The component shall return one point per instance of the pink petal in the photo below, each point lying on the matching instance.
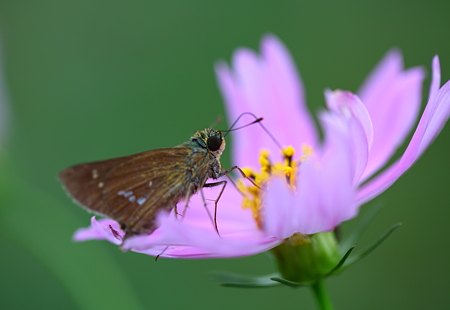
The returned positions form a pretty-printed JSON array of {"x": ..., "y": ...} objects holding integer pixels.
[
  {"x": 350, "y": 108},
  {"x": 431, "y": 123},
  {"x": 192, "y": 242},
  {"x": 325, "y": 195},
  {"x": 392, "y": 97},
  {"x": 326, "y": 192},
  {"x": 194, "y": 236},
  {"x": 262, "y": 84},
  {"x": 188, "y": 241},
  {"x": 280, "y": 205}
]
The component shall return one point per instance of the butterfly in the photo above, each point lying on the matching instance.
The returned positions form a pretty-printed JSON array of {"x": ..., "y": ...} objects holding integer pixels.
[{"x": 133, "y": 189}]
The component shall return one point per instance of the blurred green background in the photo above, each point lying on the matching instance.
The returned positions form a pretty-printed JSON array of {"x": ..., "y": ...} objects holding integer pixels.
[{"x": 91, "y": 80}]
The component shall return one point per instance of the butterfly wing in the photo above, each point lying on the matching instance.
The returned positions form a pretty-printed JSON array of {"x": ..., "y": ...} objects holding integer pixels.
[{"x": 132, "y": 189}]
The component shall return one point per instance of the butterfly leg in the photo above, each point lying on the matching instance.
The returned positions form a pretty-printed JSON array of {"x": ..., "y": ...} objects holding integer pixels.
[
  {"x": 162, "y": 252},
  {"x": 235, "y": 185},
  {"x": 175, "y": 209},
  {"x": 175, "y": 212},
  {"x": 225, "y": 173},
  {"x": 224, "y": 183},
  {"x": 206, "y": 206},
  {"x": 188, "y": 196}
]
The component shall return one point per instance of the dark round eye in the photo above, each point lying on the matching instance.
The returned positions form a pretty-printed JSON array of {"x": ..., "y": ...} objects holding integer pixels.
[{"x": 214, "y": 143}]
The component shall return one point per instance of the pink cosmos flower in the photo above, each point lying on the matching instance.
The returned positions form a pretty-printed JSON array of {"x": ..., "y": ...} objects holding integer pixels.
[{"x": 324, "y": 182}]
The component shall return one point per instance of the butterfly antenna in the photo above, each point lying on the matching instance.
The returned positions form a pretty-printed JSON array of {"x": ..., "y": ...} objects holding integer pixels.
[{"x": 257, "y": 120}]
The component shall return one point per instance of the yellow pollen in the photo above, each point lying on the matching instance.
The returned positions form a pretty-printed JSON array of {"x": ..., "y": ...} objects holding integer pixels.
[
  {"x": 264, "y": 162},
  {"x": 307, "y": 152},
  {"x": 264, "y": 153},
  {"x": 248, "y": 172},
  {"x": 265, "y": 169},
  {"x": 287, "y": 169},
  {"x": 288, "y": 151}
]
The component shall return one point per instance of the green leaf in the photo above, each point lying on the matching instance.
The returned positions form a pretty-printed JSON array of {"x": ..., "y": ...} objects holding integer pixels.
[
  {"x": 363, "y": 253},
  {"x": 361, "y": 227},
  {"x": 243, "y": 281}
]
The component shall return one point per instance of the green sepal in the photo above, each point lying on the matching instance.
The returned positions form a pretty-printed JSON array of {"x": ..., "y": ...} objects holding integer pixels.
[
  {"x": 361, "y": 227},
  {"x": 290, "y": 283},
  {"x": 363, "y": 253},
  {"x": 336, "y": 269},
  {"x": 244, "y": 281},
  {"x": 341, "y": 263}
]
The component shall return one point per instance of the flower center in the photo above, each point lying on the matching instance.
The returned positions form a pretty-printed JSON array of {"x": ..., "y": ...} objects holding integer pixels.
[{"x": 287, "y": 169}]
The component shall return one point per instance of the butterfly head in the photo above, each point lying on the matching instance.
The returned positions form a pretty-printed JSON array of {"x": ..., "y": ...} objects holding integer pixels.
[{"x": 210, "y": 139}]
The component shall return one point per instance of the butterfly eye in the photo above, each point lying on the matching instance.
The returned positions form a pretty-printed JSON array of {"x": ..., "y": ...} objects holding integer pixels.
[{"x": 214, "y": 143}]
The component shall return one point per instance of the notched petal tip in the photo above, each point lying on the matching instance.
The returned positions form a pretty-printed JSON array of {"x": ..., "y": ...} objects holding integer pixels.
[
  {"x": 221, "y": 67},
  {"x": 435, "y": 62},
  {"x": 394, "y": 55},
  {"x": 269, "y": 39}
]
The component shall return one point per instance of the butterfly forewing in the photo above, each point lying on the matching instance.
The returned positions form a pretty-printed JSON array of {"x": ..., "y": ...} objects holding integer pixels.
[{"x": 132, "y": 189}]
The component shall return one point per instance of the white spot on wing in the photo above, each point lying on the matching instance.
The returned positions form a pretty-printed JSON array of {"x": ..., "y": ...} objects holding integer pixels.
[
  {"x": 128, "y": 195},
  {"x": 141, "y": 201}
]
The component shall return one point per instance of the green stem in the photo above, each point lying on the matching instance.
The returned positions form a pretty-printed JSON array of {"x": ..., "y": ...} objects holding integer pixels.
[{"x": 321, "y": 294}]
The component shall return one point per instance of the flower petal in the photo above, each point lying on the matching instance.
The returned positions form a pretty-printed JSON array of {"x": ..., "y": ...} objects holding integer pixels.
[
  {"x": 432, "y": 121},
  {"x": 392, "y": 97},
  {"x": 325, "y": 195},
  {"x": 194, "y": 236},
  {"x": 256, "y": 84},
  {"x": 326, "y": 192},
  {"x": 188, "y": 241},
  {"x": 280, "y": 205},
  {"x": 350, "y": 108}
]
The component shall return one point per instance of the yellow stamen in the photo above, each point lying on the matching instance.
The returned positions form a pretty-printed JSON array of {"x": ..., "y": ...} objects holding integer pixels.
[
  {"x": 248, "y": 172},
  {"x": 264, "y": 153},
  {"x": 288, "y": 151},
  {"x": 287, "y": 169},
  {"x": 264, "y": 162}
]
